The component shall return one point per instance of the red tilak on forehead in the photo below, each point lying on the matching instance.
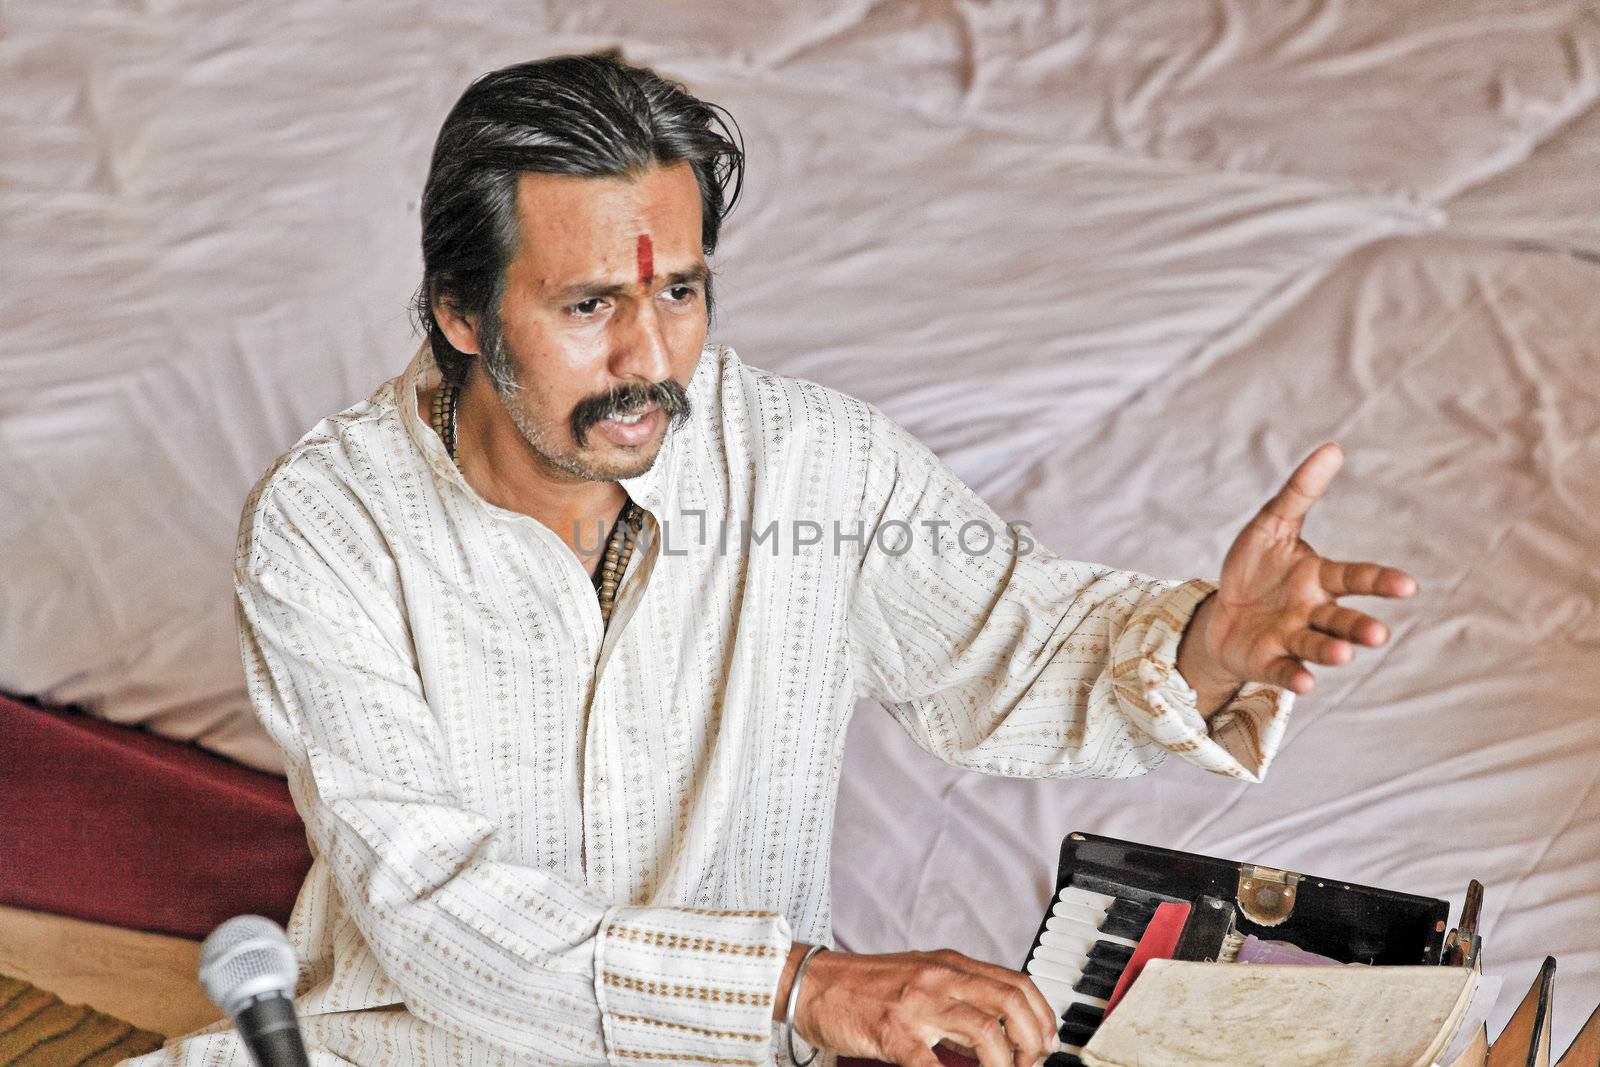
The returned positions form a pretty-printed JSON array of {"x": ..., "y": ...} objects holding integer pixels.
[{"x": 647, "y": 262}]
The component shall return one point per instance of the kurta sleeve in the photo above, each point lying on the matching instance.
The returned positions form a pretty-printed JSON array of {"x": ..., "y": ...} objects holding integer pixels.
[
  {"x": 478, "y": 944},
  {"x": 998, "y": 655}
]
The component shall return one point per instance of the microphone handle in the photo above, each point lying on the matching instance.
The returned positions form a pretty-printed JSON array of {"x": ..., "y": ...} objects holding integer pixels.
[{"x": 272, "y": 1033}]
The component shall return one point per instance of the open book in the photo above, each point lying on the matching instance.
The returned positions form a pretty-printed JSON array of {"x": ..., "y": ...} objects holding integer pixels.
[{"x": 1184, "y": 1014}]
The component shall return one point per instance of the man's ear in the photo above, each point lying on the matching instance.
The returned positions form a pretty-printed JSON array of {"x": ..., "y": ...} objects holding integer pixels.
[{"x": 460, "y": 330}]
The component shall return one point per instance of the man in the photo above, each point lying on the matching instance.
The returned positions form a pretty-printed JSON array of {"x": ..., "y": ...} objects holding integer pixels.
[{"x": 570, "y": 793}]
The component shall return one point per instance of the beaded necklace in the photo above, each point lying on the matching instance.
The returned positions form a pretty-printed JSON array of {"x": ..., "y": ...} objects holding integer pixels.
[{"x": 619, "y": 545}]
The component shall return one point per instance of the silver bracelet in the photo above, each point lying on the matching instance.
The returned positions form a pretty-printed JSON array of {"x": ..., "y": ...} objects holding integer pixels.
[{"x": 794, "y": 1000}]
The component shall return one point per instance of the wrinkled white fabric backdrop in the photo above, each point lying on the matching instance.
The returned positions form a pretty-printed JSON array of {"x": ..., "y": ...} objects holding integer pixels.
[{"x": 1120, "y": 263}]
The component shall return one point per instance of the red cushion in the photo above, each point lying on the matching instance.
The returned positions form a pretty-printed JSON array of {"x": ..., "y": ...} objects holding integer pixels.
[
  {"x": 116, "y": 825},
  {"x": 944, "y": 1056}
]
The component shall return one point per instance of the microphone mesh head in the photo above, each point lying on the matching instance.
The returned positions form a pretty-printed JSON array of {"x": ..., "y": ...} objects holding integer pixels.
[{"x": 245, "y": 958}]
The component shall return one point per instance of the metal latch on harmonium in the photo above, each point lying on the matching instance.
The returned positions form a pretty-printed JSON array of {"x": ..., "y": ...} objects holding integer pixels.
[{"x": 1266, "y": 896}]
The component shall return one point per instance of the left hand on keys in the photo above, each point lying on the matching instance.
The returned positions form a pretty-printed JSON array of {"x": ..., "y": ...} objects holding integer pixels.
[{"x": 1276, "y": 608}]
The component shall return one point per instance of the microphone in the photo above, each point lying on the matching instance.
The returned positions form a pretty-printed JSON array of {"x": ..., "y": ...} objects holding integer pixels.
[{"x": 247, "y": 969}]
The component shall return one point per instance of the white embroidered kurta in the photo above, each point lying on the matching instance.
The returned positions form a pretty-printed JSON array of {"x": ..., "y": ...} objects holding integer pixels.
[{"x": 538, "y": 842}]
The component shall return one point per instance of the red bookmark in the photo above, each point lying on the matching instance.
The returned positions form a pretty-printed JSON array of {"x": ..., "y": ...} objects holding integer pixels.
[{"x": 1159, "y": 942}]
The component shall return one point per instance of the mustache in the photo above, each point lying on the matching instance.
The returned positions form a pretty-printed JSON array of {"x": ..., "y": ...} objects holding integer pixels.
[{"x": 627, "y": 399}]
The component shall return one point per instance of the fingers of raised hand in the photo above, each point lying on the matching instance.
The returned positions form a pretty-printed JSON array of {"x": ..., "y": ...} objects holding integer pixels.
[
  {"x": 1305, "y": 486},
  {"x": 1291, "y": 674},
  {"x": 1364, "y": 579},
  {"x": 1349, "y": 624},
  {"x": 1314, "y": 647}
]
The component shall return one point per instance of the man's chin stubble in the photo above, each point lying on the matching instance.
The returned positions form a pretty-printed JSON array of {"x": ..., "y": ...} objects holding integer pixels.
[
  {"x": 574, "y": 466},
  {"x": 622, "y": 468}
]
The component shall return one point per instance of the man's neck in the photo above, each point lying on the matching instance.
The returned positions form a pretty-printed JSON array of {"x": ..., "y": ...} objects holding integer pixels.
[{"x": 503, "y": 468}]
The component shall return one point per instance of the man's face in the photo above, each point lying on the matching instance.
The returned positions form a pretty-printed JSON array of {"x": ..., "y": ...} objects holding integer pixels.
[{"x": 604, "y": 317}]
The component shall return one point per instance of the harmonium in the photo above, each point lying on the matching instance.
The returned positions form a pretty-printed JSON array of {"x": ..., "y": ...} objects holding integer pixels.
[{"x": 1123, "y": 910}]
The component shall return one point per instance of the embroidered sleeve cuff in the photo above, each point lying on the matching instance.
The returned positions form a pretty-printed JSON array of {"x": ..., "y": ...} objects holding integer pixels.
[
  {"x": 1239, "y": 741},
  {"x": 684, "y": 985}
]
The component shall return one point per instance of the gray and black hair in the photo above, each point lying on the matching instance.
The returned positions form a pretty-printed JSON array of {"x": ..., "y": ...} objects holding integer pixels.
[{"x": 580, "y": 115}]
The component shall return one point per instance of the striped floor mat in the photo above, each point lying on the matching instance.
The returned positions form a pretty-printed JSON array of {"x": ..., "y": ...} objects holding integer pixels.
[{"x": 38, "y": 1030}]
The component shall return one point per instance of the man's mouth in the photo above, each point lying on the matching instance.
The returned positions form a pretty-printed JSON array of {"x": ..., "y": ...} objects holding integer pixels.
[
  {"x": 630, "y": 414},
  {"x": 635, "y": 428}
]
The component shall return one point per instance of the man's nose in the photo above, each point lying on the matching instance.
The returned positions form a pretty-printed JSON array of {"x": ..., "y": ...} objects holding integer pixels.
[{"x": 641, "y": 352}]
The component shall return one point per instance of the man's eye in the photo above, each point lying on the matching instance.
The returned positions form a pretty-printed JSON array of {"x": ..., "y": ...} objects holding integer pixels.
[
  {"x": 682, "y": 293},
  {"x": 586, "y": 307}
]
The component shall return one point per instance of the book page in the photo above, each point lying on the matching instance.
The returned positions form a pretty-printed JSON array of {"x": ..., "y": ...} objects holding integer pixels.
[{"x": 1181, "y": 1014}]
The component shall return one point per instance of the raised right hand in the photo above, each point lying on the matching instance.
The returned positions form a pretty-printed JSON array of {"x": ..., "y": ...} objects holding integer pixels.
[{"x": 896, "y": 1007}]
